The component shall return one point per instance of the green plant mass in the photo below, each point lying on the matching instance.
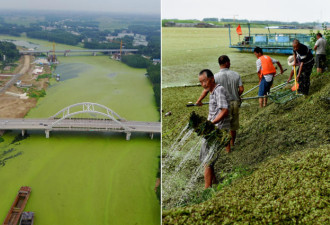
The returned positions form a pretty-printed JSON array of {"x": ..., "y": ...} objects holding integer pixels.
[
  {"x": 276, "y": 172},
  {"x": 44, "y": 76},
  {"x": 287, "y": 189},
  {"x": 207, "y": 130},
  {"x": 33, "y": 93}
]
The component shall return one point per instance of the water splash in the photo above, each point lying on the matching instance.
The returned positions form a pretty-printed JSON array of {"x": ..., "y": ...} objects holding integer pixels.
[
  {"x": 182, "y": 170},
  {"x": 186, "y": 157},
  {"x": 195, "y": 175},
  {"x": 178, "y": 144}
]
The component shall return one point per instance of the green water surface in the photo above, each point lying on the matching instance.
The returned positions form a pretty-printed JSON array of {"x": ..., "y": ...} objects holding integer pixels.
[
  {"x": 186, "y": 51},
  {"x": 87, "y": 178}
]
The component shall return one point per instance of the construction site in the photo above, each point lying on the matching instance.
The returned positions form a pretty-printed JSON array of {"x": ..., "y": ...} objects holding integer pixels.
[{"x": 16, "y": 86}]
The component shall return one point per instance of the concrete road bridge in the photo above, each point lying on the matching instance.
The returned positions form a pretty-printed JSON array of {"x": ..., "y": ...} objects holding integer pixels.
[
  {"x": 66, "y": 52},
  {"x": 85, "y": 116}
]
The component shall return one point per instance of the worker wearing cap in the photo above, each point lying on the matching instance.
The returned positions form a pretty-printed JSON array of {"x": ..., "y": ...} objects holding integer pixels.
[
  {"x": 266, "y": 71},
  {"x": 305, "y": 56}
]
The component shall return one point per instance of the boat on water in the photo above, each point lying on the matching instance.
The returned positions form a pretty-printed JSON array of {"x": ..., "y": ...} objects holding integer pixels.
[
  {"x": 18, "y": 206},
  {"x": 276, "y": 43},
  {"x": 27, "y": 218}
]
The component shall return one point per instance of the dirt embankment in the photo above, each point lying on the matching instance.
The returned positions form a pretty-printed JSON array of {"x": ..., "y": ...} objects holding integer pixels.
[{"x": 14, "y": 107}]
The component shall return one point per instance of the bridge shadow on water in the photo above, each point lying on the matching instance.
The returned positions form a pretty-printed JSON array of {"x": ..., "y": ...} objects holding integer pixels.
[{"x": 90, "y": 135}]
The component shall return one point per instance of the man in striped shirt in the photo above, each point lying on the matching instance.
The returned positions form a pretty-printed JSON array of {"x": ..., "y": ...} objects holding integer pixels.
[
  {"x": 233, "y": 85},
  {"x": 218, "y": 115}
]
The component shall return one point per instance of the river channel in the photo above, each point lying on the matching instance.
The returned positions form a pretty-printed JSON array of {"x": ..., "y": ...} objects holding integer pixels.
[{"x": 87, "y": 178}]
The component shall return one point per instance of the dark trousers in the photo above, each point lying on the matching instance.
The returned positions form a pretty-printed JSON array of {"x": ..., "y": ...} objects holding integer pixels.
[{"x": 304, "y": 79}]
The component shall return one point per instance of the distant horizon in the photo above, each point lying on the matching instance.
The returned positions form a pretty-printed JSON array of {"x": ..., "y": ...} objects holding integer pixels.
[
  {"x": 327, "y": 22},
  {"x": 45, "y": 11},
  {"x": 281, "y": 10},
  {"x": 142, "y": 7}
]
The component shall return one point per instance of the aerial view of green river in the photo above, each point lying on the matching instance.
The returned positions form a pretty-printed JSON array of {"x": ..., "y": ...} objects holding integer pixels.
[{"x": 87, "y": 178}]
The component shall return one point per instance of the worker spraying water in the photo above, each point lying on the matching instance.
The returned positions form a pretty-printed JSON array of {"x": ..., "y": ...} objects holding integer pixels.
[
  {"x": 218, "y": 115},
  {"x": 233, "y": 85}
]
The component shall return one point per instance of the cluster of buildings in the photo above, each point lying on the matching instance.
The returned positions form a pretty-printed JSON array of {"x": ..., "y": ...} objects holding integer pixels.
[
  {"x": 200, "y": 25},
  {"x": 138, "y": 40},
  {"x": 39, "y": 67},
  {"x": 38, "y": 70}
]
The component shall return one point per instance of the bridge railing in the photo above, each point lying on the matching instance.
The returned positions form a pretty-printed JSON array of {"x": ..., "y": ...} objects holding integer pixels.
[{"x": 88, "y": 108}]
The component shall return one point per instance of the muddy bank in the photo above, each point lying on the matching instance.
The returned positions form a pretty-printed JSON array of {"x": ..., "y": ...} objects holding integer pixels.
[{"x": 14, "y": 107}]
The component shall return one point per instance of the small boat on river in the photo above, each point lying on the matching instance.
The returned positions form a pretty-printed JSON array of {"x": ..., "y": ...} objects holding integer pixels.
[
  {"x": 276, "y": 43},
  {"x": 18, "y": 206},
  {"x": 27, "y": 218}
]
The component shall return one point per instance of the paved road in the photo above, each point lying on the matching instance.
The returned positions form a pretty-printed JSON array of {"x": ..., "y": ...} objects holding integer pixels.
[
  {"x": 72, "y": 51},
  {"x": 22, "y": 71},
  {"x": 80, "y": 124}
]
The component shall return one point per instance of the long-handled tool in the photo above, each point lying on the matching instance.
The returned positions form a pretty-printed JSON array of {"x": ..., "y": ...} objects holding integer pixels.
[
  {"x": 192, "y": 104},
  {"x": 258, "y": 84},
  {"x": 295, "y": 78},
  {"x": 280, "y": 73},
  {"x": 280, "y": 86},
  {"x": 206, "y": 103},
  {"x": 250, "y": 90}
]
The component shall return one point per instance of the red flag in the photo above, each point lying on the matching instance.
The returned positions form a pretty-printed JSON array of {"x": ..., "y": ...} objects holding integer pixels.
[{"x": 239, "y": 30}]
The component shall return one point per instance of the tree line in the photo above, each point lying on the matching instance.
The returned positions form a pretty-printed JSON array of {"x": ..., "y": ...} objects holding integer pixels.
[
  {"x": 153, "y": 72},
  {"x": 88, "y": 32},
  {"x": 57, "y": 36},
  {"x": 10, "y": 51}
]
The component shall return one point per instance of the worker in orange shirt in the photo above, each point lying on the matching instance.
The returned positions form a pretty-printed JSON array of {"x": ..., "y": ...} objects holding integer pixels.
[{"x": 266, "y": 71}]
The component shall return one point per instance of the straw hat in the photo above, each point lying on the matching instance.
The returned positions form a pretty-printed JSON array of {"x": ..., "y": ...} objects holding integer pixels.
[{"x": 291, "y": 60}]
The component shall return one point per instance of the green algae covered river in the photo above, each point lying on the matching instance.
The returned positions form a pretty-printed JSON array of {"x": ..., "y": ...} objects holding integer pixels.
[
  {"x": 186, "y": 51},
  {"x": 87, "y": 178}
]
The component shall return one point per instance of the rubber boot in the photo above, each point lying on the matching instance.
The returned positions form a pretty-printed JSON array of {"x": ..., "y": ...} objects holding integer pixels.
[{"x": 208, "y": 176}]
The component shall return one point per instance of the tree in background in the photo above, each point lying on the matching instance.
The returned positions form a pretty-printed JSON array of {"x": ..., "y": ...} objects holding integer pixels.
[
  {"x": 136, "y": 61},
  {"x": 10, "y": 51},
  {"x": 154, "y": 77},
  {"x": 211, "y": 19}
]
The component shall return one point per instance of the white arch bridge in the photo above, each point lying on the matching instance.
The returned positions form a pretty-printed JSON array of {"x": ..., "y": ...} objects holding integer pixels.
[{"x": 85, "y": 116}]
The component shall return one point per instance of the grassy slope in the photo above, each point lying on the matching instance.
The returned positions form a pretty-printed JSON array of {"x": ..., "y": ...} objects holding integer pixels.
[
  {"x": 265, "y": 133},
  {"x": 287, "y": 189}
]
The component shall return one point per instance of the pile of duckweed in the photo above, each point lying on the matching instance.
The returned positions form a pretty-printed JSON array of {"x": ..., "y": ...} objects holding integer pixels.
[
  {"x": 287, "y": 189},
  {"x": 208, "y": 130}
]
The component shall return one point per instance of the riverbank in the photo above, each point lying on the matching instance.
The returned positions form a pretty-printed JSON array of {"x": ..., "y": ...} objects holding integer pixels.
[{"x": 14, "y": 106}]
